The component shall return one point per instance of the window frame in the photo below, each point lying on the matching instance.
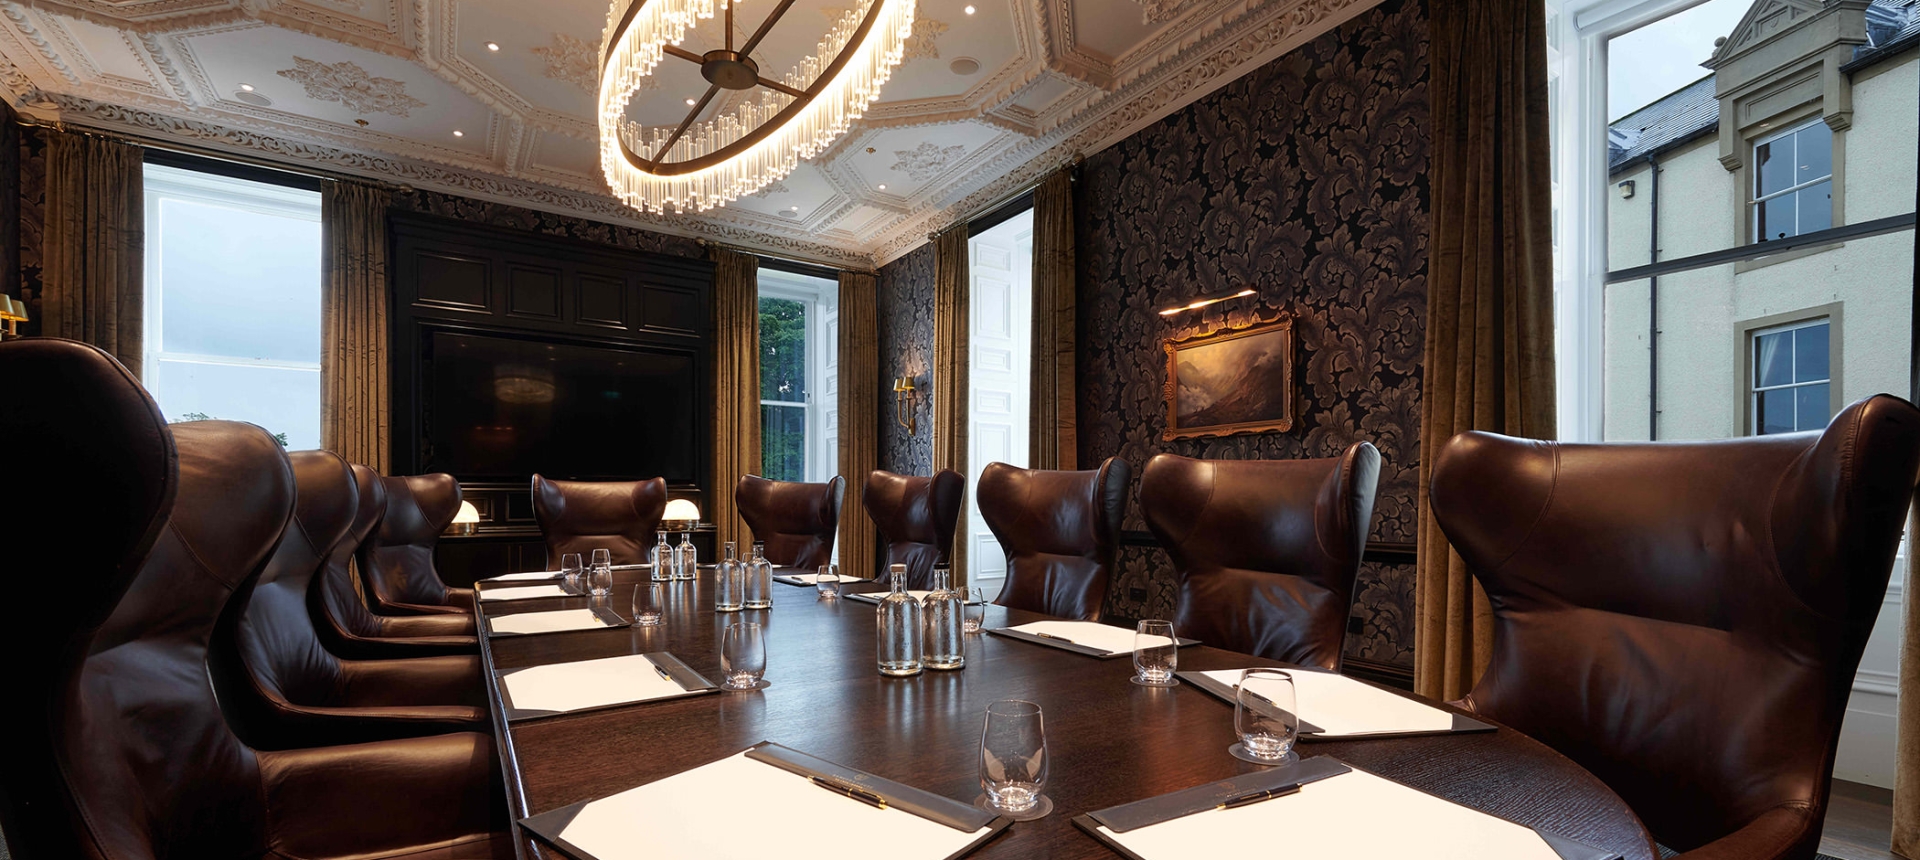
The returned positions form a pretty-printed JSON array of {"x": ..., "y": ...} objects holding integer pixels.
[
  {"x": 1745, "y": 333},
  {"x": 1755, "y": 199},
  {"x": 822, "y": 461}
]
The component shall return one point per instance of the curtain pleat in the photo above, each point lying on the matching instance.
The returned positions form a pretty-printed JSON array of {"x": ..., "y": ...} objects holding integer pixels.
[
  {"x": 94, "y": 256},
  {"x": 1489, "y": 351},
  {"x": 1906, "y": 771},
  {"x": 860, "y": 394},
  {"x": 1052, "y": 430},
  {"x": 950, "y": 377},
  {"x": 355, "y": 417},
  {"x": 736, "y": 390}
]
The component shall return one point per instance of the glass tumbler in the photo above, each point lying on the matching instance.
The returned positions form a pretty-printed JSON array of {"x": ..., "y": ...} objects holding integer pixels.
[
  {"x": 1013, "y": 760},
  {"x": 600, "y": 573},
  {"x": 570, "y": 569},
  {"x": 1265, "y": 717},
  {"x": 1156, "y": 654},
  {"x": 974, "y": 615},
  {"x": 743, "y": 656},
  {"x": 827, "y": 580},
  {"x": 648, "y": 605}
]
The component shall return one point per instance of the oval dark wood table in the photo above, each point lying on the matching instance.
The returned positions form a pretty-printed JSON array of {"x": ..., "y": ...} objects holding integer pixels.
[{"x": 1110, "y": 741}]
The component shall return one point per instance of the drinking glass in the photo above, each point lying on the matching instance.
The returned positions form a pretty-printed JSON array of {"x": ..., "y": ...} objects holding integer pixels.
[
  {"x": 600, "y": 573},
  {"x": 1156, "y": 655},
  {"x": 828, "y": 581},
  {"x": 648, "y": 604},
  {"x": 974, "y": 614},
  {"x": 1013, "y": 760},
  {"x": 570, "y": 572},
  {"x": 1265, "y": 717},
  {"x": 603, "y": 556},
  {"x": 743, "y": 656}
]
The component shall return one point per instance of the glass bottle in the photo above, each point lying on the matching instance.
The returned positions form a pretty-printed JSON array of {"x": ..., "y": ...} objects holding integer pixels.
[
  {"x": 759, "y": 579},
  {"x": 943, "y": 609},
  {"x": 730, "y": 583},
  {"x": 900, "y": 628},
  {"x": 686, "y": 558},
  {"x": 662, "y": 559}
]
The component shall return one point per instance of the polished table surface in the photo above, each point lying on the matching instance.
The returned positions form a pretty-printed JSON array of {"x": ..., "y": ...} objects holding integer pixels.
[{"x": 1110, "y": 741}]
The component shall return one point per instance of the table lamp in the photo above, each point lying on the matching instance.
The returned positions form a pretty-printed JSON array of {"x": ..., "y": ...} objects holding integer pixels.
[
  {"x": 13, "y": 312},
  {"x": 467, "y": 520},
  {"x": 681, "y": 516}
]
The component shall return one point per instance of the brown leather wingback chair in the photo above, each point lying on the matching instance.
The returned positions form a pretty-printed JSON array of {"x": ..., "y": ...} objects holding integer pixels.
[
  {"x": 1265, "y": 551},
  {"x": 1685, "y": 619},
  {"x": 396, "y": 564},
  {"x": 1061, "y": 532},
  {"x": 916, "y": 517},
  {"x": 338, "y": 601},
  {"x": 123, "y": 750},
  {"x": 294, "y": 692},
  {"x": 797, "y": 522},
  {"x": 582, "y": 516}
]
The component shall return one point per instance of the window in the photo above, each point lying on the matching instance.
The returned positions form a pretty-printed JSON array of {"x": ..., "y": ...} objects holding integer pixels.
[
  {"x": 798, "y": 396},
  {"x": 1793, "y": 183},
  {"x": 1791, "y": 377},
  {"x": 233, "y": 301}
]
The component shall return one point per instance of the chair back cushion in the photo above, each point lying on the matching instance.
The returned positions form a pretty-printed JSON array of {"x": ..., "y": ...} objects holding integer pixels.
[
  {"x": 1684, "y": 619},
  {"x": 397, "y": 564},
  {"x": 797, "y": 522},
  {"x": 1265, "y": 551},
  {"x": 916, "y": 518},
  {"x": 582, "y": 516},
  {"x": 91, "y": 446},
  {"x": 1061, "y": 533}
]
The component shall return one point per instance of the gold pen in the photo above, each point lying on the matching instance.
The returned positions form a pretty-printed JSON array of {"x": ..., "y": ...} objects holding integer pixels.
[
  {"x": 1257, "y": 796},
  {"x": 1056, "y": 638},
  {"x": 855, "y": 792}
]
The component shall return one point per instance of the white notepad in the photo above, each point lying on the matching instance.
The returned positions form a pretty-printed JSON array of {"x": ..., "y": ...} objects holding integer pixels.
[
  {"x": 1344, "y": 707},
  {"x": 588, "y": 684},
  {"x": 1092, "y": 634},
  {"x": 1340, "y": 818},
  {"x": 700, "y": 813},
  {"x": 523, "y": 577},
  {"x": 524, "y": 592},
  {"x": 546, "y": 622}
]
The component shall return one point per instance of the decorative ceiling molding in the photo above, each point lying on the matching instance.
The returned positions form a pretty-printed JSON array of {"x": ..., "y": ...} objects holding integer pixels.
[
  {"x": 577, "y": 62},
  {"x": 349, "y": 84},
  {"x": 921, "y": 43},
  {"x": 923, "y": 162},
  {"x": 1157, "y": 11}
]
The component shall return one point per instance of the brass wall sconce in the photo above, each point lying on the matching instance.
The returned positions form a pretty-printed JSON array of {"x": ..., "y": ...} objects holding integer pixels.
[
  {"x": 13, "y": 312},
  {"x": 903, "y": 397}
]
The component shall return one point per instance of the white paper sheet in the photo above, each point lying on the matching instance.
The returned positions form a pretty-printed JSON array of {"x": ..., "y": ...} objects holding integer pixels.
[
  {"x": 524, "y": 592},
  {"x": 546, "y": 622},
  {"x": 522, "y": 577},
  {"x": 741, "y": 809},
  {"x": 814, "y": 578},
  {"x": 588, "y": 684},
  {"x": 1344, "y": 707},
  {"x": 1092, "y": 634},
  {"x": 1340, "y": 818}
]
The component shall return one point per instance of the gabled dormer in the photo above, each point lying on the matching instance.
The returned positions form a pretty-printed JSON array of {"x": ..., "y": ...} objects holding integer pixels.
[{"x": 1781, "y": 64}]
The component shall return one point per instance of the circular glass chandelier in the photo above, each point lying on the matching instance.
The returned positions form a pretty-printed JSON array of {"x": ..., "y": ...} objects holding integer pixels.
[{"x": 698, "y": 164}]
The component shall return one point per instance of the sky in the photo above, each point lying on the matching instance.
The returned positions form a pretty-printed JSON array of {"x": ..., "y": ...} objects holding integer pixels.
[{"x": 1664, "y": 56}]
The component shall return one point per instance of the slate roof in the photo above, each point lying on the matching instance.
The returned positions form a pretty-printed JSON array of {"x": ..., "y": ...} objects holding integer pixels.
[{"x": 1693, "y": 111}]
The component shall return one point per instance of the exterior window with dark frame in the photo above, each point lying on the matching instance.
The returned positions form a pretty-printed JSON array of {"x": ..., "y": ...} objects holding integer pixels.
[
  {"x": 798, "y": 333},
  {"x": 1793, "y": 182},
  {"x": 1789, "y": 389}
]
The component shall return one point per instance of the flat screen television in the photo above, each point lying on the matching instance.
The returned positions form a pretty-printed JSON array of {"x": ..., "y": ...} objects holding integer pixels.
[{"x": 503, "y": 408}]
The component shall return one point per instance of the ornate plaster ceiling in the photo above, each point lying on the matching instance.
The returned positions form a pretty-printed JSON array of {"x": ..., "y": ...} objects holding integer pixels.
[{"x": 985, "y": 102}]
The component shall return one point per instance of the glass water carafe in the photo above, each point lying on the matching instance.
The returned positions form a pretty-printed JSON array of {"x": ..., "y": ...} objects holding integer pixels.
[
  {"x": 900, "y": 628},
  {"x": 662, "y": 558},
  {"x": 759, "y": 579},
  {"x": 730, "y": 583},
  {"x": 686, "y": 558},
  {"x": 944, "y": 608}
]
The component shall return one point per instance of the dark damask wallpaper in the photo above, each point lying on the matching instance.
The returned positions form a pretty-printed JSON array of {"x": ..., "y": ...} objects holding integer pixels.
[
  {"x": 906, "y": 349},
  {"x": 33, "y": 221},
  {"x": 1306, "y": 180}
]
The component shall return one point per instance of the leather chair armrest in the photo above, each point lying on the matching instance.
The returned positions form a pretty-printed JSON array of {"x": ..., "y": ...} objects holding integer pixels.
[
  {"x": 303, "y": 726},
  {"x": 439, "y": 792},
  {"x": 364, "y": 648},
  {"x": 1778, "y": 833},
  {"x": 409, "y": 626},
  {"x": 414, "y": 682},
  {"x": 460, "y": 597},
  {"x": 409, "y": 609}
]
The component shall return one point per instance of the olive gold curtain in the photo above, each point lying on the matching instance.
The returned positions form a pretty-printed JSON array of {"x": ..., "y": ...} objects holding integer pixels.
[
  {"x": 355, "y": 421},
  {"x": 1906, "y": 768},
  {"x": 736, "y": 389},
  {"x": 1052, "y": 430},
  {"x": 1489, "y": 351},
  {"x": 95, "y": 250},
  {"x": 950, "y": 376},
  {"x": 859, "y": 417}
]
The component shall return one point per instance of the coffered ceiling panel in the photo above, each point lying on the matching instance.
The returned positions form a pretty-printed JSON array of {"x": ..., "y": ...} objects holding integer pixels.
[{"x": 982, "y": 104}]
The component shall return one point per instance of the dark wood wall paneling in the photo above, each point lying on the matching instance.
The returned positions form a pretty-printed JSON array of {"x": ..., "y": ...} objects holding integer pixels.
[{"x": 451, "y": 275}]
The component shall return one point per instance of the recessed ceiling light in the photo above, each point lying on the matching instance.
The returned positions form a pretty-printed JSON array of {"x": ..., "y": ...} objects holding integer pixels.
[
  {"x": 964, "y": 66},
  {"x": 692, "y": 102},
  {"x": 246, "y": 87},
  {"x": 794, "y": 208},
  {"x": 883, "y": 186},
  {"x": 459, "y": 133},
  {"x": 969, "y": 10},
  {"x": 493, "y": 46}
]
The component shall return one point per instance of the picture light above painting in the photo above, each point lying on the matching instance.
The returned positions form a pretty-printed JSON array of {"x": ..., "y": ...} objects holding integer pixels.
[{"x": 1230, "y": 382}]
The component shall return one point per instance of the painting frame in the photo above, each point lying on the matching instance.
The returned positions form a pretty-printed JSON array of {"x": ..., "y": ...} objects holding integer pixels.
[{"x": 1279, "y": 328}]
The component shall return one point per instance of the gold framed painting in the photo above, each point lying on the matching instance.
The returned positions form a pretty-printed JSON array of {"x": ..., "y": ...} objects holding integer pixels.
[{"x": 1231, "y": 382}]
